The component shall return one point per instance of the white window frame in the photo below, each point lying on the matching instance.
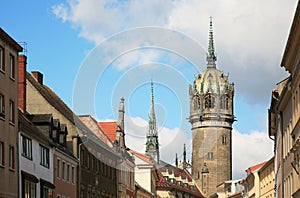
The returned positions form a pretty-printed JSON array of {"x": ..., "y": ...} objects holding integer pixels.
[
  {"x": 26, "y": 147},
  {"x": 44, "y": 155}
]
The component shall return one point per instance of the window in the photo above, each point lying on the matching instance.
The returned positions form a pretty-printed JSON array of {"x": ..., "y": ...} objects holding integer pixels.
[
  {"x": 2, "y": 62},
  {"x": 68, "y": 172},
  {"x": 29, "y": 189},
  {"x": 11, "y": 66},
  {"x": 73, "y": 175},
  {"x": 58, "y": 168},
  {"x": 1, "y": 154},
  {"x": 11, "y": 111},
  {"x": 224, "y": 102},
  {"x": 47, "y": 192},
  {"x": 224, "y": 139},
  {"x": 26, "y": 147},
  {"x": 44, "y": 156},
  {"x": 210, "y": 156},
  {"x": 11, "y": 157},
  {"x": 63, "y": 170},
  {"x": 209, "y": 101},
  {"x": 2, "y": 106}
]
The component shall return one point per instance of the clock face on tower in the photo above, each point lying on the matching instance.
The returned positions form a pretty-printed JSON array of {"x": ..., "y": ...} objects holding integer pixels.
[{"x": 151, "y": 146}]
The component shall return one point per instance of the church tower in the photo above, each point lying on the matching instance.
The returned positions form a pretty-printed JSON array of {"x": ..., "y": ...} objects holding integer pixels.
[
  {"x": 211, "y": 117},
  {"x": 152, "y": 146}
]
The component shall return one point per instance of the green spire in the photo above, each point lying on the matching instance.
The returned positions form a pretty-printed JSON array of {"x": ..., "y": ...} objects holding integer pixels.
[
  {"x": 211, "y": 56},
  {"x": 152, "y": 145}
]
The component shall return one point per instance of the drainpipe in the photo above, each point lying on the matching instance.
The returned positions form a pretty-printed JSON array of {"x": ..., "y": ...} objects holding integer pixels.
[{"x": 282, "y": 164}]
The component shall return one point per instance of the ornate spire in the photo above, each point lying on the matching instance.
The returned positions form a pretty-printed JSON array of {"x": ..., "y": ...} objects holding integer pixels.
[
  {"x": 211, "y": 56},
  {"x": 152, "y": 146},
  {"x": 152, "y": 119},
  {"x": 176, "y": 161}
]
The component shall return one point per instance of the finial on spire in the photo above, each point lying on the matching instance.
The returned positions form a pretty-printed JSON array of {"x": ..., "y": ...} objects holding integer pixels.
[{"x": 211, "y": 56}]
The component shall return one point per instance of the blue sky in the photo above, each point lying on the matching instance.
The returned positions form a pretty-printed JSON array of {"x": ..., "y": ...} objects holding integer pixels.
[{"x": 69, "y": 40}]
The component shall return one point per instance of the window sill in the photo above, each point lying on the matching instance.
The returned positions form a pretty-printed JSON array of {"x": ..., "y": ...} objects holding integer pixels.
[
  {"x": 12, "y": 78},
  {"x": 27, "y": 157},
  {"x": 2, "y": 71},
  {"x": 2, "y": 118},
  {"x": 11, "y": 123},
  {"x": 11, "y": 169},
  {"x": 2, "y": 166},
  {"x": 44, "y": 165}
]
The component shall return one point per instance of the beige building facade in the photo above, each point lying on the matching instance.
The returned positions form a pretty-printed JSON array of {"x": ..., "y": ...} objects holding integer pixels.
[
  {"x": 9, "y": 50},
  {"x": 267, "y": 180},
  {"x": 284, "y": 113}
]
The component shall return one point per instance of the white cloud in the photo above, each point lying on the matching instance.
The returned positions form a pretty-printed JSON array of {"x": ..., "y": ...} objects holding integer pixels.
[
  {"x": 250, "y": 35},
  {"x": 249, "y": 150}
]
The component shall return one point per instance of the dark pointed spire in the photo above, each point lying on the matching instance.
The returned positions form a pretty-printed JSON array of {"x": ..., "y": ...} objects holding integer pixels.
[
  {"x": 184, "y": 153},
  {"x": 211, "y": 56},
  {"x": 152, "y": 145},
  {"x": 176, "y": 161}
]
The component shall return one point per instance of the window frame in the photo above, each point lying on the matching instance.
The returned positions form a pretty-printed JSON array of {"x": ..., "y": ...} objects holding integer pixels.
[
  {"x": 73, "y": 174},
  {"x": 27, "y": 144},
  {"x": 2, "y": 59},
  {"x": 68, "y": 172},
  {"x": 63, "y": 172},
  {"x": 44, "y": 156},
  {"x": 12, "y": 66},
  {"x": 11, "y": 111},
  {"x": 58, "y": 173},
  {"x": 2, "y": 154},
  {"x": 29, "y": 187},
  {"x": 11, "y": 160},
  {"x": 2, "y": 106},
  {"x": 210, "y": 156}
]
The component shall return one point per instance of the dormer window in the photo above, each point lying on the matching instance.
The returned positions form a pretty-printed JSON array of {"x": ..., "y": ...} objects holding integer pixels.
[{"x": 209, "y": 101}]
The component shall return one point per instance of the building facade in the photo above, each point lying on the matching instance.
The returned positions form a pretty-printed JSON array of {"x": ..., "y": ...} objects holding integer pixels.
[
  {"x": 9, "y": 50},
  {"x": 284, "y": 114},
  {"x": 35, "y": 156},
  {"x": 211, "y": 117}
]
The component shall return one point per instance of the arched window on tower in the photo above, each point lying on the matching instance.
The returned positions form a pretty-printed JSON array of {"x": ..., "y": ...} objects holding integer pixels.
[
  {"x": 224, "y": 102},
  {"x": 209, "y": 101}
]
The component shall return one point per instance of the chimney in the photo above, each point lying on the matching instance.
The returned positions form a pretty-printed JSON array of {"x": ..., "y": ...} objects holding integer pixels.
[
  {"x": 38, "y": 76},
  {"x": 22, "y": 62}
]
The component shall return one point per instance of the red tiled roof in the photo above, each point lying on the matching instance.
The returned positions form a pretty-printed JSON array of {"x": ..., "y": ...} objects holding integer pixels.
[
  {"x": 254, "y": 168},
  {"x": 143, "y": 157},
  {"x": 109, "y": 128}
]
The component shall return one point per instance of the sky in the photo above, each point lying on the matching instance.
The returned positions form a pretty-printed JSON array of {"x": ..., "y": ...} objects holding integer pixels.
[{"x": 93, "y": 52}]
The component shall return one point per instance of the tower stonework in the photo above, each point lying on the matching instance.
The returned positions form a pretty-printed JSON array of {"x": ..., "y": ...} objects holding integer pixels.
[{"x": 211, "y": 117}]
